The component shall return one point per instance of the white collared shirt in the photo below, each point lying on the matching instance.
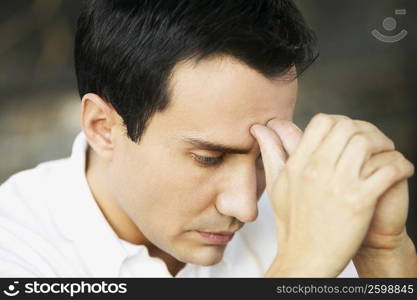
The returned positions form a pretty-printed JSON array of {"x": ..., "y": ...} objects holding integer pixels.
[{"x": 51, "y": 226}]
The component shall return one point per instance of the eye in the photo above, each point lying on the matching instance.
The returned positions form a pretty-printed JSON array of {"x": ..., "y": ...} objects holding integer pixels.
[{"x": 207, "y": 160}]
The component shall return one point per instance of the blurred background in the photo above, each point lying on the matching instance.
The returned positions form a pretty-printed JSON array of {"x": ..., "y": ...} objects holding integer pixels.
[{"x": 356, "y": 75}]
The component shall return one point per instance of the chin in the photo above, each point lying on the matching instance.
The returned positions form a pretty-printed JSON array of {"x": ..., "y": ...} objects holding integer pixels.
[{"x": 205, "y": 256}]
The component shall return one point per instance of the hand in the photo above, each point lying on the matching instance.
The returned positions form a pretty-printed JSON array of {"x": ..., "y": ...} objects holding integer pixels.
[
  {"x": 322, "y": 204},
  {"x": 387, "y": 250},
  {"x": 388, "y": 227}
]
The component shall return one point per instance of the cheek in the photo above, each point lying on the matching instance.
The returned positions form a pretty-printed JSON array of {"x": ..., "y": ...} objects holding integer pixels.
[
  {"x": 164, "y": 187},
  {"x": 183, "y": 188}
]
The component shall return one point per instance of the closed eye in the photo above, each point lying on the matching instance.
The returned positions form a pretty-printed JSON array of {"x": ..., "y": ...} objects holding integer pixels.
[
  {"x": 215, "y": 160},
  {"x": 207, "y": 160}
]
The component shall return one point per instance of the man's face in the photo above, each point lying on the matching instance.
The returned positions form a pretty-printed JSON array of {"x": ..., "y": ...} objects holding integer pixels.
[{"x": 171, "y": 186}]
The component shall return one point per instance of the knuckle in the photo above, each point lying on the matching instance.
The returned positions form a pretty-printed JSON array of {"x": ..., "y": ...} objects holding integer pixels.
[
  {"x": 361, "y": 141},
  {"x": 374, "y": 129},
  {"x": 321, "y": 118},
  {"x": 412, "y": 169},
  {"x": 347, "y": 126},
  {"x": 392, "y": 172},
  {"x": 390, "y": 143},
  {"x": 402, "y": 159},
  {"x": 366, "y": 125},
  {"x": 387, "y": 142},
  {"x": 398, "y": 155},
  {"x": 319, "y": 115},
  {"x": 342, "y": 117},
  {"x": 310, "y": 171},
  {"x": 409, "y": 167}
]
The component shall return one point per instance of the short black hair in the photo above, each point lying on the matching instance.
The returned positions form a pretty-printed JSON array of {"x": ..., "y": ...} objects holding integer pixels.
[{"x": 125, "y": 50}]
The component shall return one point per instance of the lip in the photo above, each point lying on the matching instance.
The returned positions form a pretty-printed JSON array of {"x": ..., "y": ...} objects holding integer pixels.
[{"x": 217, "y": 238}]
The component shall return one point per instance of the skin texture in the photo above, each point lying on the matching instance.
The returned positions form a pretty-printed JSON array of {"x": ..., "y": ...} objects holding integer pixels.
[
  {"x": 157, "y": 193},
  {"x": 354, "y": 184}
]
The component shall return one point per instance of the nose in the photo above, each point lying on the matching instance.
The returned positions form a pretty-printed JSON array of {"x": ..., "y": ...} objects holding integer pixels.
[{"x": 238, "y": 198}]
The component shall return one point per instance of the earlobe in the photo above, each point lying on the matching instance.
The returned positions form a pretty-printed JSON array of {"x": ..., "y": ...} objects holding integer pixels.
[{"x": 97, "y": 123}]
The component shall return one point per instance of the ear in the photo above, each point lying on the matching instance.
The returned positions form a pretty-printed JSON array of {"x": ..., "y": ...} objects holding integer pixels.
[{"x": 98, "y": 121}]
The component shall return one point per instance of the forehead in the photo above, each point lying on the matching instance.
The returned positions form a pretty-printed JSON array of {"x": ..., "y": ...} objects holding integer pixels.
[{"x": 218, "y": 99}]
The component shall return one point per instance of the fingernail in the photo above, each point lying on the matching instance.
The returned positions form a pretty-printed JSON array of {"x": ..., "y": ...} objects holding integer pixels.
[
  {"x": 253, "y": 129},
  {"x": 269, "y": 122}
]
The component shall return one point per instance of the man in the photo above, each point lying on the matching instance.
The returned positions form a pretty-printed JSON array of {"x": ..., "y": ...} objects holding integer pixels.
[{"x": 186, "y": 119}]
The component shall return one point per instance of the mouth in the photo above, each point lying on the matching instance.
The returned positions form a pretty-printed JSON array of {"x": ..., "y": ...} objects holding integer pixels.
[{"x": 217, "y": 238}]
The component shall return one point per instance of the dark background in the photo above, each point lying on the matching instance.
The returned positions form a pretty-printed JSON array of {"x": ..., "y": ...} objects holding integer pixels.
[{"x": 356, "y": 75}]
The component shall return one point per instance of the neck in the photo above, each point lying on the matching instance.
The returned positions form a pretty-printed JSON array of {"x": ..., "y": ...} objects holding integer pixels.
[
  {"x": 119, "y": 221},
  {"x": 115, "y": 216}
]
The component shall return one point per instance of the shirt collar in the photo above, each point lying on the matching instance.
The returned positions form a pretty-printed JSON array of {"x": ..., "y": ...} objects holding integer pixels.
[{"x": 81, "y": 220}]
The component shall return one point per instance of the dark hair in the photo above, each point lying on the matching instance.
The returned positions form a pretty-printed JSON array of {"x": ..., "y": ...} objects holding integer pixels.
[{"x": 125, "y": 50}]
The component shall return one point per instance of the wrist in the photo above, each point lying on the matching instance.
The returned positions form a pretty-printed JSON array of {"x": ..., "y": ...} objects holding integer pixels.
[
  {"x": 398, "y": 261},
  {"x": 299, "y": 267}
]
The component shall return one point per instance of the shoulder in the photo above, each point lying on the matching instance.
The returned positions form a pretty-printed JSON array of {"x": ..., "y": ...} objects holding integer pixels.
[
  {"x": 24, "y": 196},
  {"x": 27, "y": 228}
]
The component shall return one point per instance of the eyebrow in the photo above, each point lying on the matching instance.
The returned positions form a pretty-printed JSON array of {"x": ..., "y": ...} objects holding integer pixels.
[{"x": 210, "y": 146}]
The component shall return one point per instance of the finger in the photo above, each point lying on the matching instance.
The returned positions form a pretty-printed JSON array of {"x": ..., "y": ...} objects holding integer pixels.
[
  {"x": 273, "y": 154},
  {"x": 288, "y": 132},
  {"x": 316, "y": 130},
  {"x": 360, "y": 148},
  {"x": 335, "y": 141},
  {"x": 388, "y": 175},
  {"x": 377, "y": 161},
  {"x": 338, "y": 138}
]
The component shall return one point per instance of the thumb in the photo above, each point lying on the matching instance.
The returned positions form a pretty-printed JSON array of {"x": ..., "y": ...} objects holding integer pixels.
[
  {"x": 273, "y": 154},
  {"x": 289, "y": 133}
]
